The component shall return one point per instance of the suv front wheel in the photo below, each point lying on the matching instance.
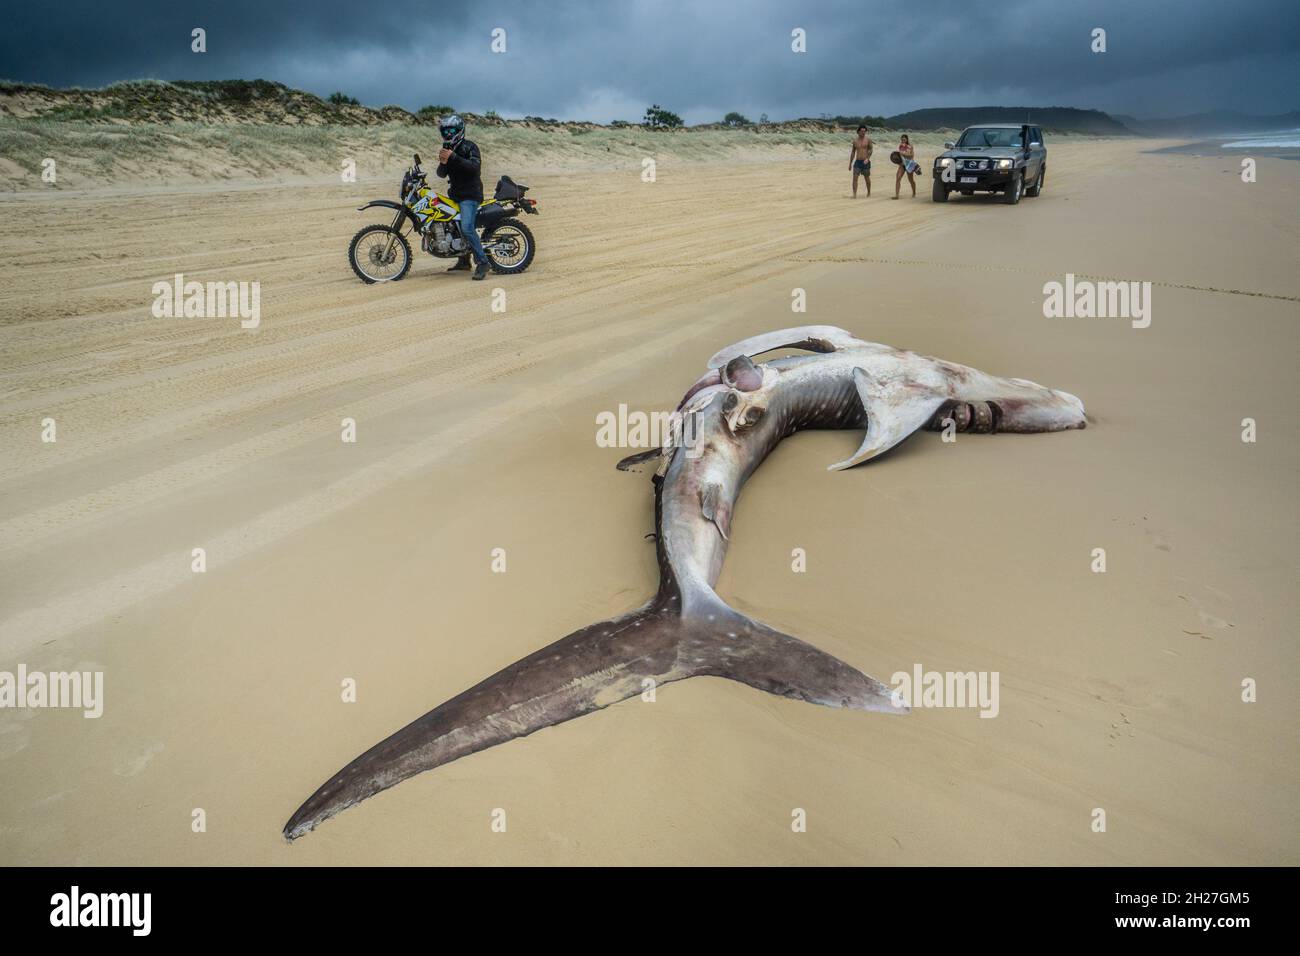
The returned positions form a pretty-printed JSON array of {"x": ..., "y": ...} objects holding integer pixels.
[
  {"x": 939, "y": 192},
  {"x": 1037, "y": 188},
  {"x": 1011, "y": 195}
]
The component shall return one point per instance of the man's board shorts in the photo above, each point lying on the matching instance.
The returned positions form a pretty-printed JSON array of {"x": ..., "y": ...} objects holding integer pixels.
[{"x": 862, "y": 166}]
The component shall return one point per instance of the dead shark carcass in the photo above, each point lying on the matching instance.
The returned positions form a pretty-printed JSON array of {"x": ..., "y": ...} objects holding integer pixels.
[{"x": 725, "y": 426}]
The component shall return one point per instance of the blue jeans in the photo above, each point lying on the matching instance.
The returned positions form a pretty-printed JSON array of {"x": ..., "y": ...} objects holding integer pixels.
[{"x": 468, "y": 216}]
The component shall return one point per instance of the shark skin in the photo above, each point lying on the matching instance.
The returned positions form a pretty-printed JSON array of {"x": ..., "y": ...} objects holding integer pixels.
[{"x": 724, "y": 428}]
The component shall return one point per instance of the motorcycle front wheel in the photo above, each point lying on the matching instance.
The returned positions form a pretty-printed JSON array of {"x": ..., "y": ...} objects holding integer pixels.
[
  {"x": 379, "y": 254},
  {"x": 509, "y": 246}
]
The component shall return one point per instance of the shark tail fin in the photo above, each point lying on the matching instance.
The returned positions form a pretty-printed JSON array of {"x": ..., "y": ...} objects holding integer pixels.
[
  {"x": 739, "y": 648},
  {"x": 590, "y": 669}
]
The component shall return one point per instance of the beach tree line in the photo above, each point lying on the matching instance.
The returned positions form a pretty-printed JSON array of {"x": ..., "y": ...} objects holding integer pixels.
[
  {"x": 738, "y": 120},
  {"x": 656, "y": 117}
]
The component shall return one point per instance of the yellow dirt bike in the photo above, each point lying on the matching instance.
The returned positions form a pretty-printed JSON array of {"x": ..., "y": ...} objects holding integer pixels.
[{"x": 381, "y": 253}]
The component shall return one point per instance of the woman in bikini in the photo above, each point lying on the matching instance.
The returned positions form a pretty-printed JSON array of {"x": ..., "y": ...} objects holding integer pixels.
[{"x": 908, "y": 165}]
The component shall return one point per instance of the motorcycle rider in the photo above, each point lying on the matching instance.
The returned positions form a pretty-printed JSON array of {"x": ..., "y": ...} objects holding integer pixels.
[{"x": 459, "y": 162}]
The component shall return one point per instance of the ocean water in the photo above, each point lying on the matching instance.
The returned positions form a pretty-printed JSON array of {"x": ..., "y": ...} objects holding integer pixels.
[
  {"x": 1278, "y": 139},
  {"x": 1280, "y": 144}
]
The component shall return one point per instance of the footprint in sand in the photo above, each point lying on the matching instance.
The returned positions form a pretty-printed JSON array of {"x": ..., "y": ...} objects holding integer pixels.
[
  {"x": 1208, "y": 621},
  {"x": 13, "y": 734},
  {"x": 1121, "y": 728},
  {"x": 1162, "y": 543},
  {"x": 133, "y": 765}
]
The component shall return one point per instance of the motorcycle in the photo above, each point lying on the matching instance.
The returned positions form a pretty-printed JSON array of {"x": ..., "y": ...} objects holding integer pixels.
[{"x": 381, "y": 253}]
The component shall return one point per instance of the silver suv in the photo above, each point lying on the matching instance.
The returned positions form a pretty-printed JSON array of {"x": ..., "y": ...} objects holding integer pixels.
[{"x": 992, "y": 158}]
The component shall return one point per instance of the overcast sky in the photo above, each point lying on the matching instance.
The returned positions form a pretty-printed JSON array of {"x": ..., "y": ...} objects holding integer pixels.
[{"x": 609, "y": 59}]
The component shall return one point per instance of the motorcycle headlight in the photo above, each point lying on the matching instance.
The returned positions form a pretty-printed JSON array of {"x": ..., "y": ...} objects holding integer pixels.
[{"x": 1005, "y": 163}]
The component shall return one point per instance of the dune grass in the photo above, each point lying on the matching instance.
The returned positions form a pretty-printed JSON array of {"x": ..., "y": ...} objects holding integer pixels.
[{"x": 97, "y": 152}]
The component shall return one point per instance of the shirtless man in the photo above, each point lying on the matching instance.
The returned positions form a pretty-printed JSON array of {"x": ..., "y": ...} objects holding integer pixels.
[{"x": 860, "y": 159}]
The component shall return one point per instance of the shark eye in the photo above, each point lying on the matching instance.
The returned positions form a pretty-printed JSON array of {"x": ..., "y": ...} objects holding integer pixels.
[
  {"x": 730, "y": 402},
  {"x": 752, "y": 415}
]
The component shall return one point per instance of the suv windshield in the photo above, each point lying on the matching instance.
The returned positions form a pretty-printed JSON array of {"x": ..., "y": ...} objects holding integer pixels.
[{"x": 983, "y": 136}]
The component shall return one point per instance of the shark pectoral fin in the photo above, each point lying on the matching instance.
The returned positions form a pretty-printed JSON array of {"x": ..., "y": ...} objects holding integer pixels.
[
  {"x": 814, "y": 338},
  {"x": 895, "y": 409},
  {"x": 640, "y": 458},
  {"x": 752, "y": 653},
  {"x": 714, "y": 507}
]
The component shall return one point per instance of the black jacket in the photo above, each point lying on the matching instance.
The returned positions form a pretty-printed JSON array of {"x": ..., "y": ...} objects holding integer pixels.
[{"x": 462, "y": 168}]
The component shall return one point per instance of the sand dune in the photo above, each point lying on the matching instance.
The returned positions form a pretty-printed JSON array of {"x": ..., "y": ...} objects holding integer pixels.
[
  {"x": 98, "y": 155},
  {"x": 476, "y": 430}
]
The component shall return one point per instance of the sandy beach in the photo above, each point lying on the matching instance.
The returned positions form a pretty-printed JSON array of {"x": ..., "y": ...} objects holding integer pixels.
[{"x": 476, "y": 430}]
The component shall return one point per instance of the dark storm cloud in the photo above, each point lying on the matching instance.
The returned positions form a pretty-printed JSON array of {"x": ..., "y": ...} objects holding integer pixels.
[{"x": 605, "y": 60}]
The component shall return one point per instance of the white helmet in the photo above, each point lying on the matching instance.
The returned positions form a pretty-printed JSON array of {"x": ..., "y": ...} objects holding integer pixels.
[{"x": 453, "y": 130}]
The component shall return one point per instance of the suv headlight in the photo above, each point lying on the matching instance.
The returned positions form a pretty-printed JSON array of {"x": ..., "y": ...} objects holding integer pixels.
[
  {"x": 945, "y": 161},
  {"x": 1006, "y": 163}
]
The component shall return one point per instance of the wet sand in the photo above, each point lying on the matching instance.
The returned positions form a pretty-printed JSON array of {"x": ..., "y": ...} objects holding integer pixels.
[{"x": 476, "y": 430}]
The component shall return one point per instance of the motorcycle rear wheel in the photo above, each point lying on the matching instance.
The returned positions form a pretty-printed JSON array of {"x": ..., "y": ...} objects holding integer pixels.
[
  {"x": 510, "y": 246},
  {"x": 379, "y": 254}
]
